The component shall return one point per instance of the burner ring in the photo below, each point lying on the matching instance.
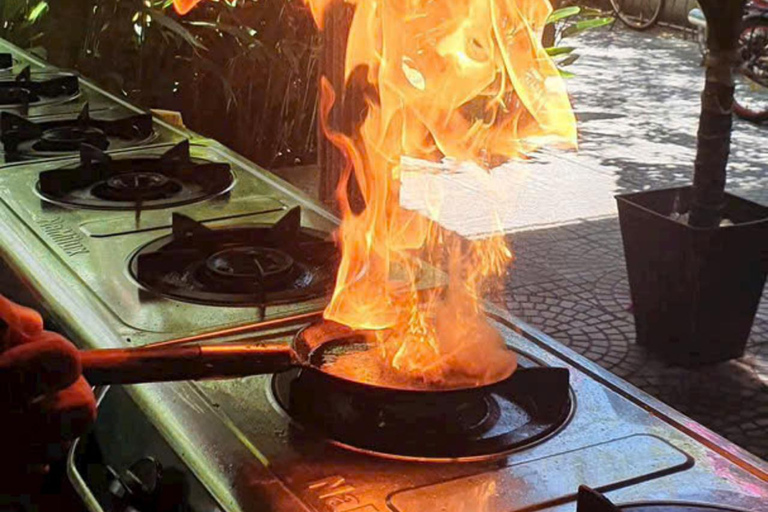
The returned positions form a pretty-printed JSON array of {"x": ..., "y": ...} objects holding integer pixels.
[
  {"x": 137, "y": 181},
  {"x": 137, "y": 186},
  {"x": 531, "y": 405},
  {"x": 261, "y": 263},
  {"x": 16, "y": 95},
  {"x": 69, "y": 138},
  {"x": 240, "y": 266}
]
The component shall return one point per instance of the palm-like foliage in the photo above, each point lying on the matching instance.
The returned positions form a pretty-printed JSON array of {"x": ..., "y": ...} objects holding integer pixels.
[{"x": 243, "y": 72}]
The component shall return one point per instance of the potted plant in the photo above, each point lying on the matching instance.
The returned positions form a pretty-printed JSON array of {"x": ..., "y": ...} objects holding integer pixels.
[{"x": 696, "y": 256}]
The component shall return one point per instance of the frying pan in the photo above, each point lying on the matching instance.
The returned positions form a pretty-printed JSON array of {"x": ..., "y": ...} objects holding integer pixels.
[{"x": 195, "y": 362}]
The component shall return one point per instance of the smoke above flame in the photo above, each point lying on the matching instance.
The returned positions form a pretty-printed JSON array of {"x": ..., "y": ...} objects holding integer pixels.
[{"x": 445, "y": 81}]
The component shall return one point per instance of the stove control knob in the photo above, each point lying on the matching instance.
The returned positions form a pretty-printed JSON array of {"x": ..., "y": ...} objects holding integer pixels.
[
  {"x": 143, "y": 477},
  {"x": 143, "y": 481}
]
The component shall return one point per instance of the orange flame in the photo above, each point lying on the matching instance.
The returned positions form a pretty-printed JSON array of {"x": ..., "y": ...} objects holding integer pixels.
[
  {"x": 466, "y": 80},
  {"x": 182, "y": 7}
]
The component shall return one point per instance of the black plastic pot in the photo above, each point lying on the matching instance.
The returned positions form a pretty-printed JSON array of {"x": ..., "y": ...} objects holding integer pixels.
[{"x": 695, "y": 291}]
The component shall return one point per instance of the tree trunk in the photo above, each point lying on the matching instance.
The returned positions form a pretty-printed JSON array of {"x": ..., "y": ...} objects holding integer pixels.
[{"x": 714, "y": 136}]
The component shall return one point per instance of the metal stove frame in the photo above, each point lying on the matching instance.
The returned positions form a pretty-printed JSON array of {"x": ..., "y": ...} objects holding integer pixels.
[{"x": 246, "y": 455}]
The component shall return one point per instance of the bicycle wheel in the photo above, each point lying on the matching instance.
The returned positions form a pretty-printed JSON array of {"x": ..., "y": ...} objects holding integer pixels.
[
  {"x": 638, "y": 14},
  {"x": 750, "y": 97}
]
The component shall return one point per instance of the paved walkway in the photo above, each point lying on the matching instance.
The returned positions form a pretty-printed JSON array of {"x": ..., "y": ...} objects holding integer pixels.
[{"x": 637, "y": 100}]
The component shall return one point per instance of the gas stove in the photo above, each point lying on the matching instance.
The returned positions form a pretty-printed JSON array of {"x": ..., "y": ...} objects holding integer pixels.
[
  {"x": 172, "y": 238},
  {"x": 29, "y": 139}
]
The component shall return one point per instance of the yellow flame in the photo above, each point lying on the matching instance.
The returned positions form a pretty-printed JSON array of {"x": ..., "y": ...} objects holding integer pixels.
[{"x": 462, "y": 79}]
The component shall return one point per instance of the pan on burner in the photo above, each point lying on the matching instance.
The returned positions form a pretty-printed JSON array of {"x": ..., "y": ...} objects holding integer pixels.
[
  {"x": 248, "y": 265},
  {"x": 135, "y": 183},
  {"x": 590, "y": 500},
  {"x": 468, "y": 424},
  {"x": 26, "y": 89},
  {"x": 24, "y": 138}
]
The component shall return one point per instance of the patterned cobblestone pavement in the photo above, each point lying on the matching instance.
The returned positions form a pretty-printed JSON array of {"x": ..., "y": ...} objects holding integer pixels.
[
  {"x": 571, "y": 283},
  {"x": 637, "y": 96}
]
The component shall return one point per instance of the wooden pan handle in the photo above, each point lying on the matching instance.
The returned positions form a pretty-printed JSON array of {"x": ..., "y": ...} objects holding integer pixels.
[{"x": 136, "y": 365}]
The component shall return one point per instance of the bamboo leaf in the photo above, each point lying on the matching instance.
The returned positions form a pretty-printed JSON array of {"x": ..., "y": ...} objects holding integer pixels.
[
  {"x": 244, "y": 35},
  {"x": 561, "y": 14},
  {"x": 583, "y": 25},
  {"x": 559, "y": 50},
  {"x": 175, "y": 28},
  {"x": 37, "y": 11}
]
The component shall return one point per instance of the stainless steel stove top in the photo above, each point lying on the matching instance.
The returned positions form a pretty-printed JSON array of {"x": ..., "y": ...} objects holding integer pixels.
[
  {"x": 231, "y": 445},
  {"x": 246, "y": 453},
  {"x": 92, "y": 244}
]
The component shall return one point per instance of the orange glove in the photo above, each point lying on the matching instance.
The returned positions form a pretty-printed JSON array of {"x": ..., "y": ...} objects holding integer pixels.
[{"x": 44, "y": 401}]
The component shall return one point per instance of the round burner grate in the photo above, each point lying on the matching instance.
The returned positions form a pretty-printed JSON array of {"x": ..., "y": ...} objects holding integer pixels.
[
  {"x": 16, "y": 96},
  {"x": 531, "y": 405},
  {"x": 252, "y": 265},
  {"x": 135, "y": 183},
  {"x": 69, "y": 138},
  {"x": 137, "y": 186},
  {"x": 238, "y": 267}
]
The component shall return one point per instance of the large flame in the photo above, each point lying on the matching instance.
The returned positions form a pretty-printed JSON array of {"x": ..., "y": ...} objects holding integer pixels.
[{"x": 466, "y": 80}]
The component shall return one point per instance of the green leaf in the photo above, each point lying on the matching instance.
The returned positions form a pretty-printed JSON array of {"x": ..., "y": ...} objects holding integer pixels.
[
  {"x": 559, "y": 50},
  {"x": 568, "y": 60},
  {"x": 175, "y": 28},
  {"x": 583, "y": 25},
  {"x": 565, "y": 74},
  {"x": 37, "y": 11},
  {"x": 565, "y": 12},
  {"x": 244, "y": 35}
]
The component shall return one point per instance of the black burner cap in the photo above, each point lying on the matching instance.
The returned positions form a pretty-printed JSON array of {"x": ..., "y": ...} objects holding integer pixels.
[
  {"x": 16, "y": 96},
  {"x": 137, "y": 186},
  {"x": 69, "y": 138}
]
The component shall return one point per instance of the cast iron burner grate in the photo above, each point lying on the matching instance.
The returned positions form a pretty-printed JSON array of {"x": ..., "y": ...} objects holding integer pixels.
[
  {"x": 590, "y": 500},
  {"x": 249, "y": 265},
  {"x": 25, "y": 139},
  {"x": 526, "y": 408},
  {"x": 135, "y": 183},
  {"x": 25, "y": 90},
  {"x": 6, "y": 61}
]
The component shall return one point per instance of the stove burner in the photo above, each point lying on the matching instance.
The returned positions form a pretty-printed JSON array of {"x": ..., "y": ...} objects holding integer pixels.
[
  {"x": 249, "y": 265},
  {"x": 135, "y": 183},
  {"x": 236, "y": 266},
  {"x": 6, "y": 61},
  {"x": 23, "y": 138},
  {"x": 590, "y": 500},
  {"x": 529, "y": 406},
  {"x": 137, "y": 186},
  {"x": 10, "y": 96},
  {"x": 25, "y": 89},
  {"x": 69, "y": 138}
]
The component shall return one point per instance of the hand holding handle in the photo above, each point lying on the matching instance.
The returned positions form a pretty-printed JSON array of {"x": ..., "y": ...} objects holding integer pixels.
[{"x": 137, "y": 365}]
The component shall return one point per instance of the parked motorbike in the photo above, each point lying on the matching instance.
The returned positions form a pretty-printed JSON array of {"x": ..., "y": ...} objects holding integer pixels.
[{"x": 751, "y": 80}]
